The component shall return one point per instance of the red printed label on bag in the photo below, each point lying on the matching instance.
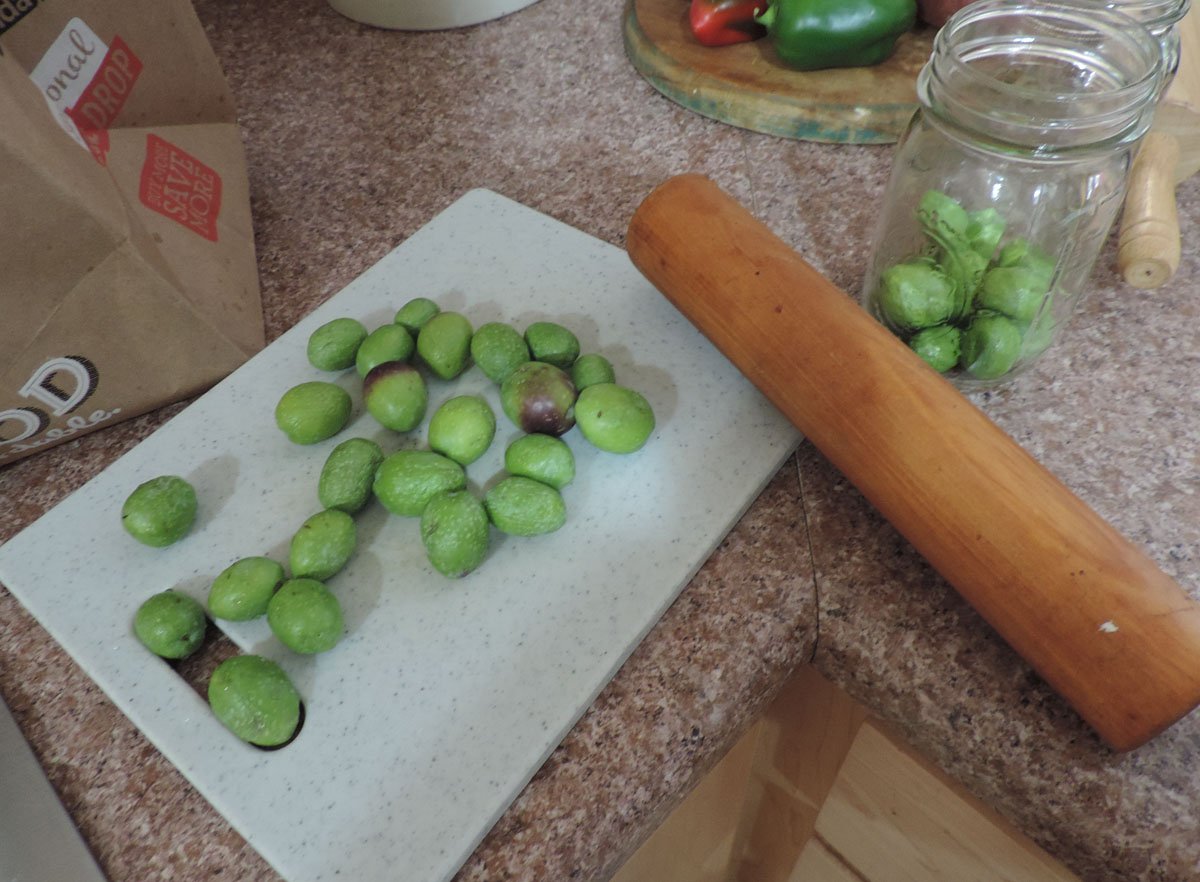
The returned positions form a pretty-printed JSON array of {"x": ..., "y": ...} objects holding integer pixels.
[
  {"x": 96, "y": 140},
  {"x": 103, "y": 97},
  {"x": 181, "y": 187}
]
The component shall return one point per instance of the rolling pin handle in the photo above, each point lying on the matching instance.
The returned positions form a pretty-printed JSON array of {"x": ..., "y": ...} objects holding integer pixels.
[{"x": 1148, "y": 247}]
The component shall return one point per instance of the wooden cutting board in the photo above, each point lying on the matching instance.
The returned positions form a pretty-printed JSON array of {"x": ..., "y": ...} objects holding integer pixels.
[{"x": 746, "y": 85}]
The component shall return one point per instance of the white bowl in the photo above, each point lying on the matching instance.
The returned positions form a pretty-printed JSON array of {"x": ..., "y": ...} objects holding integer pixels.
[{"x": 426, "y": 15}]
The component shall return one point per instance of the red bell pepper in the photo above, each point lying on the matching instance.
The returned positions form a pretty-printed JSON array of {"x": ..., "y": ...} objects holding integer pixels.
[{"x": 724, "y": 22}]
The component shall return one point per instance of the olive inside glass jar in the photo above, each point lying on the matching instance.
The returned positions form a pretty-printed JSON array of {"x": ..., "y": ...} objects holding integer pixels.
[{"x": 1008, "y": 180}]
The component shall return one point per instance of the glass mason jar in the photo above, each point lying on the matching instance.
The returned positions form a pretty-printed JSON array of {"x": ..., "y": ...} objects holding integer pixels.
[
  {"x": 1008, "y": 179},
  {"x": 1161, "y": 18}
]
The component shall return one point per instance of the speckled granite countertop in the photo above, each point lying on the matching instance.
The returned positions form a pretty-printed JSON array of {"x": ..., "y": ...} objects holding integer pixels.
[{"x": 355, "y": 138}]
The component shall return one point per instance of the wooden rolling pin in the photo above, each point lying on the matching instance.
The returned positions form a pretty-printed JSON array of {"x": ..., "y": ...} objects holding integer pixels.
[
  {"x": 1090, "y": 612},
  {"x": 1148, "y": 245}
]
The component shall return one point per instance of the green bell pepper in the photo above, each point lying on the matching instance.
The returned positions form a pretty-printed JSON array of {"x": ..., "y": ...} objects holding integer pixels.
[{"x": 816, "y": 34}]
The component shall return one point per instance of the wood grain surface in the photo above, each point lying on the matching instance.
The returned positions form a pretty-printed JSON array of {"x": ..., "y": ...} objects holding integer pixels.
[
  {"x": 819, "y": 791},
  {"x": 746, "y": 85},
  {"x": 1105, "y": 627}
]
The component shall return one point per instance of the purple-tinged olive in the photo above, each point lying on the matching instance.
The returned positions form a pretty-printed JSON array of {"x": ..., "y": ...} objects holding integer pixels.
[
  {"x": 538, "y": 397},
  {"x": 395, "y": 394}
]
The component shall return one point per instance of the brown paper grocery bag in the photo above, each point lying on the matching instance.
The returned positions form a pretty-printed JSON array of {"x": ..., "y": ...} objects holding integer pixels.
[{"x": 127, "y": 268}]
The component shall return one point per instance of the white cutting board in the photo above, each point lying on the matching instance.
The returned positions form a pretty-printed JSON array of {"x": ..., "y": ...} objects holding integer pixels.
[{"x": 444, "y": 697}]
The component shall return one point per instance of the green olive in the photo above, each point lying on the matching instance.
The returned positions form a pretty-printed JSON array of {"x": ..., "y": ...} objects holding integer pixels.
[
  {"x": 498, "y": 349},
  {"x": 313, "y": 411},
  {"x": 323, "y": 545},
  {"x": 939, "y": 346},
  {"x": 413, "y": 315},
  {"x": 160, "y": 511},
  {"x": 991, "y": 345},
  {"x": 1021, "y": 252},
  {"x": 454, "y": 530},
  {"x": 332, "y": 347},
  {"x": 544, "y": 458},
  {"x": 552, "y": 343},
  {"x": 170, "y": 624},
  {"x": 524, "y": 507},
  {"x": 244, "y": 588},
  {"x": 462, "y": 428},
  {"x": 1014, "y": 291},
  {"x": 345, "y": 481},
  {"x": 408, "y": 479},
  {"x": 255, "y": 700},
  {"x": 591, "y": 370},
  {"x": 984, "y": 230},
  {"x": 943, "y": 218},
  {"x": 305, "y": 616},
  {"x": 387, "y": 343},
  {"x": 915, "y": 294},
  {"x": 444, "y": 344},
  {"x": 614, "y": 418}
]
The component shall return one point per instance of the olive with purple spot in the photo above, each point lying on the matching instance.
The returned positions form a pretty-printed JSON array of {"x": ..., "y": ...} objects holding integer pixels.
[{"x": 539, "y": 398}]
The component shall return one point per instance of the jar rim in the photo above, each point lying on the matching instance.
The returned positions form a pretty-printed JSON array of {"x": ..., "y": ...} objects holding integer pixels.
[
  {"x": 1124, "y": 64},
  {"x": 1152, "y": 14},
  {"x": 1118, "y": 25}
]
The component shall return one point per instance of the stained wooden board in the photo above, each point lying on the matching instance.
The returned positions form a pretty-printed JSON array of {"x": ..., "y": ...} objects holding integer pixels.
[
  {"x": 819, "y": 791},
  {"x": 746, "y": 85}
]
